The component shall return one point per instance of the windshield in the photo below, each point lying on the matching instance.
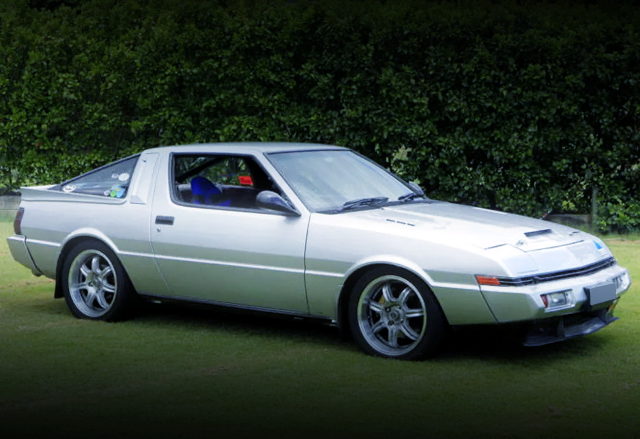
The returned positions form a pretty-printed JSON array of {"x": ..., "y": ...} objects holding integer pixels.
[{"x": 326, "y": 180}]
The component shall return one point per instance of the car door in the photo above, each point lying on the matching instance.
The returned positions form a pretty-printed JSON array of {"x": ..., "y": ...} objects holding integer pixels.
[{"x": 239, "y": 256}]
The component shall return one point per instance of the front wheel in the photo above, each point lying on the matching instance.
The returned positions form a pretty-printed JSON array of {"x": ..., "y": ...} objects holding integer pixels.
[
  {"x": 394, "y": 314},
  {"x": 95, "y": 284}
]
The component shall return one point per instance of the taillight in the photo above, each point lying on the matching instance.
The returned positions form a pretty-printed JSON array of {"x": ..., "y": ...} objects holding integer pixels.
[{"x": 17, "y": 222}]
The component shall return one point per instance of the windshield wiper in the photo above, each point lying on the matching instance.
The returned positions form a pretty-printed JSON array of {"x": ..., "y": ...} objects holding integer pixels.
[
  {"x": 410, "y": 196},
  {"x": 362, "y": 202}
]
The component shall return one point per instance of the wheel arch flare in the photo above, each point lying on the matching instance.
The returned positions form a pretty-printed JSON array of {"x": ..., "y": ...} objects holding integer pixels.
[
  {"x": 71, "y": 241},
  {"x": 460, "y": 298}
]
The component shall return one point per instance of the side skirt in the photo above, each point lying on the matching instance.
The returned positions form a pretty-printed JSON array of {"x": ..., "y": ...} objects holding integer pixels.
[{"x": 235, "y": 306}]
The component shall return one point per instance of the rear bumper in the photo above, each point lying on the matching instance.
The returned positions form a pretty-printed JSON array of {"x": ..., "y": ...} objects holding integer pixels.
[
  {"x": 20, "y": 252},
  {"x": 557, "y": 329}
]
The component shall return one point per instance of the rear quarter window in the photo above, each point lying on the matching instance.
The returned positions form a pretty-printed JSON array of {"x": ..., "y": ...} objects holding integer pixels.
[{"x": 111, "y": 180}]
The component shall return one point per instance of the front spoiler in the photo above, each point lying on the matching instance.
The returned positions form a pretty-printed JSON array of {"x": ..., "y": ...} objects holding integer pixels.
[{"x": 555, "y": 329}]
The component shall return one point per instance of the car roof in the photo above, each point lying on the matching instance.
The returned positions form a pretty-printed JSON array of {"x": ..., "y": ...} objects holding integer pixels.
[{"x": 247, "y": 147}]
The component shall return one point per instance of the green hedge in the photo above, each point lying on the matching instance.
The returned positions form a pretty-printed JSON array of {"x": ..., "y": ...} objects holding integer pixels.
[{"x": 524, "y": 107}]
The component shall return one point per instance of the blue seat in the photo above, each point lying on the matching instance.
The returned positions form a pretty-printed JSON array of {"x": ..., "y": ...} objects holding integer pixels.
[{"x": 205, "y": 192}]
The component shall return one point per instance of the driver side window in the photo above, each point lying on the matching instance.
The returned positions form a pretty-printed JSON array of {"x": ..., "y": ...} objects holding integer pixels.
[{"x": 206, "y": 180}]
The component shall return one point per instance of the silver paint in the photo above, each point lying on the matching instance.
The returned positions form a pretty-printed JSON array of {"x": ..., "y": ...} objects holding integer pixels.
[{"x": 299, "y": 265}]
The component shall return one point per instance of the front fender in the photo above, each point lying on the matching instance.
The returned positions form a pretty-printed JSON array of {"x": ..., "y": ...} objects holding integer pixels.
[{"x": 458, "y": 295}]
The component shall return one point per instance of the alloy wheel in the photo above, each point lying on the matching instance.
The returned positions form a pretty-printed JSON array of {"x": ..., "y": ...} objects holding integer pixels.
[
  {"x": 392, "y": 315},
  {"x": 92, "y": 283}
]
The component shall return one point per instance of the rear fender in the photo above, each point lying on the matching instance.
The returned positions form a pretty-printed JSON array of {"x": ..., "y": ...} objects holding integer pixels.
[{"x": 70, "y": 241}]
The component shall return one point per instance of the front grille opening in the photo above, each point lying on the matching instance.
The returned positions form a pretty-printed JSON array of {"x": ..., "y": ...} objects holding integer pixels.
[{"x": 557, "y": 275}]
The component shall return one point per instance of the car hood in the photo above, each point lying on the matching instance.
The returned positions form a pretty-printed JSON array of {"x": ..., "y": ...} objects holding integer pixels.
[{"x": 475, "y": 226}]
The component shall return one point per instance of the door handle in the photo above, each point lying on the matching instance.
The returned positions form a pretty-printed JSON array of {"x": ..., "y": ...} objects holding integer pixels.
[{"x": 166, "y": 220}]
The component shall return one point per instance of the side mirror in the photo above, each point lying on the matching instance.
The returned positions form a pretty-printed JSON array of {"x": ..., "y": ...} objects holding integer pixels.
[
  {"x": 416, "y": 188},
  {"x": 273, "y": 201}
]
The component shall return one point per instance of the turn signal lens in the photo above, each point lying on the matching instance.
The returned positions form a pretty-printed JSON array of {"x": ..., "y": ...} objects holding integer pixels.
[
  {"x": 487, "y": 280},
  {"x": 545, "y": 300}
]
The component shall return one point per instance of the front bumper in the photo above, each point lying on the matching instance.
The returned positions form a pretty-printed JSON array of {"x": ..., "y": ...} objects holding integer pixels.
[
  {"x": 561, "y": 328},
  {"x": 524, "y": 303}
]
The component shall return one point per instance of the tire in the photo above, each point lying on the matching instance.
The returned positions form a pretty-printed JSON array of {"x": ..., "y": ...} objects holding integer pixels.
[
  {"x": 94, "y": 283},
  {"x": 394, "y": 314}
]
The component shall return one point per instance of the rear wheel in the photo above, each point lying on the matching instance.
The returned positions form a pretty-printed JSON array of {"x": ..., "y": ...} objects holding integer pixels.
[
  {"x": 394, "y": 314},
  {"x": 95, "y": 284}
]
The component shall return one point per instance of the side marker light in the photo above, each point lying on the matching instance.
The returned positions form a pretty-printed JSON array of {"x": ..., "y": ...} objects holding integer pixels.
[{"x": 487, "y": 280}]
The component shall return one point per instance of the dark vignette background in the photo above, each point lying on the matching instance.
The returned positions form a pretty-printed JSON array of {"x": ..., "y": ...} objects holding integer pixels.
[{"x": 521, "y": 106}]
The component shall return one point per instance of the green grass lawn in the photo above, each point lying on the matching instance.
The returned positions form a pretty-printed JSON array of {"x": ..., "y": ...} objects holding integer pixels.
[{"x": 177, "y": 369}]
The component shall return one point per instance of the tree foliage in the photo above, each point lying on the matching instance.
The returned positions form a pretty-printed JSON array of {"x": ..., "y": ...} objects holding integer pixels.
[{"x": 519, "y": 106}]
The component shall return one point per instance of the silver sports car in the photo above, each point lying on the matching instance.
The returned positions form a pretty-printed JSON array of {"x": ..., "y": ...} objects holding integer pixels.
[{"x": 309, "y": 230}]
